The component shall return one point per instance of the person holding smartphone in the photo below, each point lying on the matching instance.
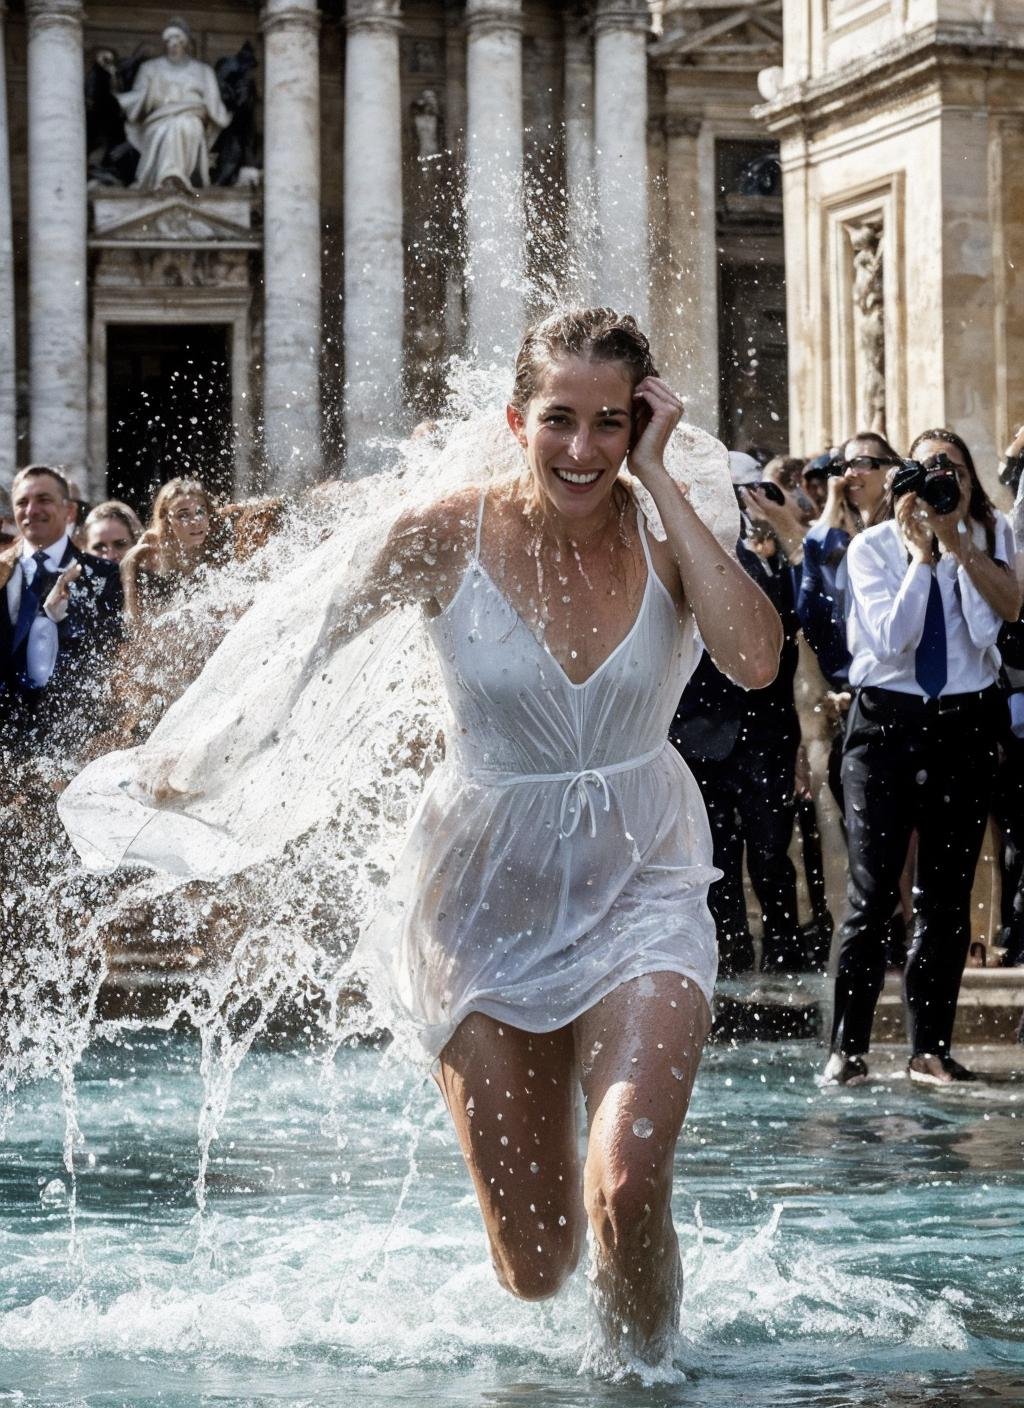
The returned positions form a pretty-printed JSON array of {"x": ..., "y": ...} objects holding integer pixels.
[{"x": 927, "y": 593}]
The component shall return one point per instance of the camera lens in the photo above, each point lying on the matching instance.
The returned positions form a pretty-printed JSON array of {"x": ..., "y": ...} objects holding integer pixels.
[{"x": 772, "y": 492}]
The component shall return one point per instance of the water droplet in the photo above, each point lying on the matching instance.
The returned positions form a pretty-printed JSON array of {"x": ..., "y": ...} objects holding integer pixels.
[
  {"x": 54, "y": 1193},
  {"x": 643, "y": 1128},
  {"x": 679, "y": 1075},
  {"x": 535, "y": 1168}
]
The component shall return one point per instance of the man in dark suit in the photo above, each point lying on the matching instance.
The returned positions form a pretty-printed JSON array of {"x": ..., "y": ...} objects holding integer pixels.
[
  {"x": 741, "y": 746},
  {"x": 60, "y": 617}
]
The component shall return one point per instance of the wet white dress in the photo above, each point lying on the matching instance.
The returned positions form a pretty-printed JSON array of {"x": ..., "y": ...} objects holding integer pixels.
[{"x": 563, "y": 847}]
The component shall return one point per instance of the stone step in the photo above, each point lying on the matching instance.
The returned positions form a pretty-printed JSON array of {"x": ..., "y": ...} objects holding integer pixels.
[{"x": 748, "y": 1008}]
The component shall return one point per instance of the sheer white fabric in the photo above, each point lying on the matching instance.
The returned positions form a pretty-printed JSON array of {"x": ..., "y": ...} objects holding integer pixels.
[
  {"x": 563, "y": 847},
  {"x": 274, "y": 744}
]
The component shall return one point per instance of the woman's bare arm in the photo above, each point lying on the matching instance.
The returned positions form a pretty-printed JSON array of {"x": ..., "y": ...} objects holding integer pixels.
[
  {"x": 738, "y": 624},
  {"x": 420, "y": 562}
]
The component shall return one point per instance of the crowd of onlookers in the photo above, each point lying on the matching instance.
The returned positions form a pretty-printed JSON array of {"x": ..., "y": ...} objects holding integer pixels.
[
  {"x": 897, "y": 583},
  {"x": 901, "y": 579},
  {"x": 85, "y": 587}
]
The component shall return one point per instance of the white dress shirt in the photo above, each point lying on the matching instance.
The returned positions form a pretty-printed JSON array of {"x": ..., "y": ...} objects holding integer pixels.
[
  {"x": 41, "y": 650},
  {"x": 886, "y": 603}
]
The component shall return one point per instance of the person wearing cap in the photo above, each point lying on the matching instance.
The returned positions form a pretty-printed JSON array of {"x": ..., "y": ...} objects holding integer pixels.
[{"x": 741, "y": 746}]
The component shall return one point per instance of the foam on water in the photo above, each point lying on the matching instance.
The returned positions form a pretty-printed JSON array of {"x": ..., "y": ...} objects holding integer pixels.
[{"x": 341, "y": 1231}]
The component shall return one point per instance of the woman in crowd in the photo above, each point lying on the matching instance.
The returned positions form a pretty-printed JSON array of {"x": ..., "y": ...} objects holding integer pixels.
[
  {"x": 927, "y": 594},
  {"x": 111, "y": 529},
  {"x": 181, "y": 537}
]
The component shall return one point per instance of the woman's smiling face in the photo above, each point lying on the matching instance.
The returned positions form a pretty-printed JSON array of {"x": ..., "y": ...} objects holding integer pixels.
[{"x": 576, "y": 432}]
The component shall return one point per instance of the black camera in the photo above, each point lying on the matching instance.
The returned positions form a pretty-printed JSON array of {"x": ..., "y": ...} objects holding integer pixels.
[
  {"x": 937, "y": 485},
  {"x": 771, "y": 491},
  {"x": 831, "y": 464}
]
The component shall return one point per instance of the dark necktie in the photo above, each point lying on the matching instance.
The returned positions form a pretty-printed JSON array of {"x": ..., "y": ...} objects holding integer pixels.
[
  {"x": 930, "y": 669},
  {"x": 33, "y": 595}
]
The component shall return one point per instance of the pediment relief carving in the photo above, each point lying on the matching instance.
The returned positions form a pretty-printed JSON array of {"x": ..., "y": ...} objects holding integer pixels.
[
  {"x": 721, "y": 34},
  {"x": 171, "y": 220}
]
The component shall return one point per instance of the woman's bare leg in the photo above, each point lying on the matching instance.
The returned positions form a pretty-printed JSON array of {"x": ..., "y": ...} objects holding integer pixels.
[
  {"x": 513, "y": 1098},
  {"x": 638, "y": 1050}
]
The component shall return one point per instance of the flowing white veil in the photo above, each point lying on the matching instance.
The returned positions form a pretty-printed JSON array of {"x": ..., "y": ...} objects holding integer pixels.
[{"x": 275, "y": 740}]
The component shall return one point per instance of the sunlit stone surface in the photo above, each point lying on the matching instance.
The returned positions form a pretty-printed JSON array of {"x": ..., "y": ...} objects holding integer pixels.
[
  {"x": 58, "y": 291},
  {"x": 7, "y": 361},
  {"x": 291, "y": 242}
]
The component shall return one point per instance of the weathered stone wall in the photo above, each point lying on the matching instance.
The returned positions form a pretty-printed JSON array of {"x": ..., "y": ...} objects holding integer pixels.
[{"x": 919, "y": 125}]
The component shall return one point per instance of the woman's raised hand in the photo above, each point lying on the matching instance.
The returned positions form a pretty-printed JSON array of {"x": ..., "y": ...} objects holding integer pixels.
[{"x": 656, "y": 402}]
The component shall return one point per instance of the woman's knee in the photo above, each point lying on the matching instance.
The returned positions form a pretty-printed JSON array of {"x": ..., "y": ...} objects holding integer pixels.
[
  {"x": 627, "y": 1204},
  {"x": 540, "y": 1268}
]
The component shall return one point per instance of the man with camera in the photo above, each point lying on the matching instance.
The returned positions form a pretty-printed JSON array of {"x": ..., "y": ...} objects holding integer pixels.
[{"x": 927, "y": 593}]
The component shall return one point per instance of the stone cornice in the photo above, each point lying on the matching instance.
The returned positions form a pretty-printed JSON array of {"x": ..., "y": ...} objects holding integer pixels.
[
  {"x": 622, "y": 16},
  {"x": 289, "y": 14},
  {"x": 494, "y": 17},
  {"x": 48, "y": 14},
  {"x": 677, "y": 124},
  {"x": 384, "y": 15},
  {"x": 908, "y": 64}
]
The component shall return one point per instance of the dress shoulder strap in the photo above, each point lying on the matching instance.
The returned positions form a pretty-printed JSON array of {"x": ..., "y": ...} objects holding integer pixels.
[
  {"x": 479, "y": 522},
  {"x": 641, "y": 526}
]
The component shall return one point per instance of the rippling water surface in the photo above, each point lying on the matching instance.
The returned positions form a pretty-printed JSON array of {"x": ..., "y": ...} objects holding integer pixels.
[{"x": 840, "y": 1248}]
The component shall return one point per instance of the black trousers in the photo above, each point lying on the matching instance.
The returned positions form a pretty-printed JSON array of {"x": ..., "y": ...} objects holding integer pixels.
[
  {"x": 907, "y": 766},
  {"x": 749, "y": 799},
  {"x": 1009, "y": 811}
]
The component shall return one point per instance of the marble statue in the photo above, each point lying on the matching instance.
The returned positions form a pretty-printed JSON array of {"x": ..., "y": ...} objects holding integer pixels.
[
  {"x": 173, "y": 115},
  {"x": 868, "y": 299},
  {"x": 426, "y": 121}
]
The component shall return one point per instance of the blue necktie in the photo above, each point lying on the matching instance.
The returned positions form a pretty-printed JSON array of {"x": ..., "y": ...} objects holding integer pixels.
[
  {"x": 32, "y": 595},
  {"x": 930, "y": 657}
]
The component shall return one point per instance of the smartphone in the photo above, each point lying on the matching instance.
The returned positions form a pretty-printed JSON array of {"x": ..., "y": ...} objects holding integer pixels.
[{"x": 642, "y": 416}]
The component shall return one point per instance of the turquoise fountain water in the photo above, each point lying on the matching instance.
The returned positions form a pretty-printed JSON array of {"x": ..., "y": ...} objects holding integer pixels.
[
  {"x": 840, "y": 1248},
  {"x": 199, "y": 1217}
]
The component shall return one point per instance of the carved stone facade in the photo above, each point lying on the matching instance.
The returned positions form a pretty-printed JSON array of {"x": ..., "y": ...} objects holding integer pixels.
[
  {"x": 902, "y": 140},
  {"x": 168, "y": 258},
  {"x": 406, "y": 180}
]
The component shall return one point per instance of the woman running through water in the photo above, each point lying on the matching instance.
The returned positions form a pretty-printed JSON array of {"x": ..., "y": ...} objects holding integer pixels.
[
  {"x": 546, "y": 927},
  {"x": 553, "y": 929}
]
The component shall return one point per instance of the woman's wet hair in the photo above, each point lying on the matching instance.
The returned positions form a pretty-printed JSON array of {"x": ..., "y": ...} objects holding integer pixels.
[
  {"x": 593, "y": 334},
  {"x": 980, "y": 507}
]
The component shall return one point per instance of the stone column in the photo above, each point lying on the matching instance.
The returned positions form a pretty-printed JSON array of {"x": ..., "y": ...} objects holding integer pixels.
[
  {"x": 579, "y": 154},
  {"x": 8, "y": 428},
  {"x": 620, "y": 141},
  {"x": 692, "y": 320},
  {"x": 291, "y": 242},
  {"x": 495, "y": 262},
  {"x": 374, "y": 263},
  {"x": 58, "y": 365}
]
